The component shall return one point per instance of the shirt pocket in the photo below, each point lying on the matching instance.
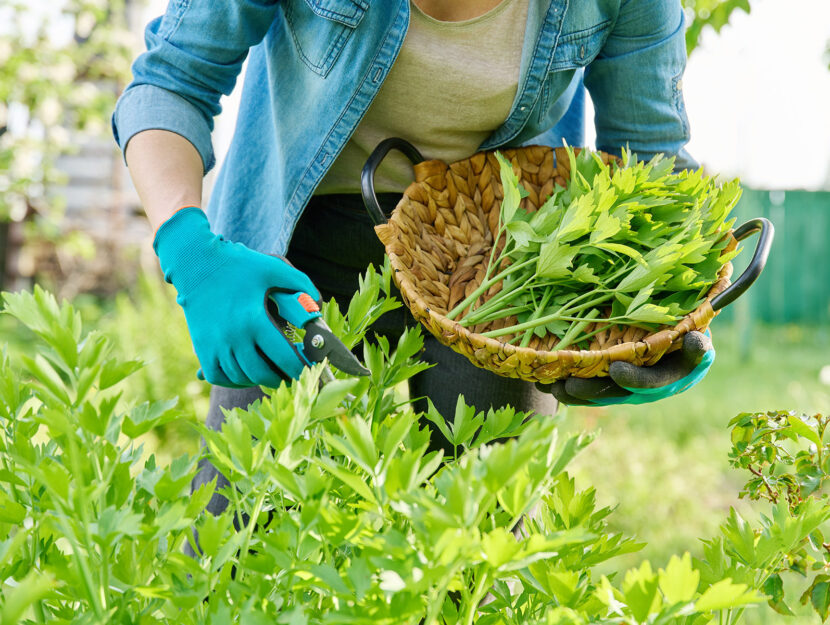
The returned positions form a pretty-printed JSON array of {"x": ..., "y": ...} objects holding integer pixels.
[
  {"x": 321, "y": 28},
  {"x": 578, "y": 48}
]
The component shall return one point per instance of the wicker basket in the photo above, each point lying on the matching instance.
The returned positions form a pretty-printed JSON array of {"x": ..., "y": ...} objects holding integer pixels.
[{"x": 438, "y": 240}]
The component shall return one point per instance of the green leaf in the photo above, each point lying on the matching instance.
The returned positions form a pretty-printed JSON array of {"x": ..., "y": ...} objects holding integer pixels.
[
  {"x": 639, "y": 299},
  {"x": 11, "y": 511},
  {"x": 774, "y": 589},
  {"x": 175, "y": 481},
  {"x": 440, "y": 422},
  {"x": 510, "y": 187},
  {"x": 724, "y": 595},
  {"x": 330, "y": 577},
  {"x": 620, "y": 248},
  {"x": 31, "y": 589},
  {"x": 465, "y": 422},
  {"x": 113, "y": 522},
  {"x": 360, "y": 441},
  {"x": 820, "y": 599},
  {"x": 147, "y": 416},
  {"x": 640, "y": 589},
  {"x": 213, "y": 531},
  {"x": 802, "y": 428},
  {"x": 113, "y": 371},
  {"x": 331, "y": 395},
  {"x": 577, "y": 220},
  {"x": 360, "y": 577},
  {"x": 605, "y": 227},
  {"x": 649, "y": 313},
  {"x": 499, "y": 547},
  {"x": 349, "y": 479},
  {"x": 238, "y": 436},
  {"x": 523, "y": 234},
  {"x": 45, "y": 373},
  {"x": 555, "y": 260},
  {"x": 584, "y": 273},
  {"x": 679, "y": 580}
]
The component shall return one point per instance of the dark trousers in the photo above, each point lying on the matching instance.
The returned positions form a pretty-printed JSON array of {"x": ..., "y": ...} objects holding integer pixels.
[{"x": 334, "y": 243}]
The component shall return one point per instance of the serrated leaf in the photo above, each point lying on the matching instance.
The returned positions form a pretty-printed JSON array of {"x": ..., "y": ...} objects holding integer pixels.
[
  {"x": 555, "y": 260},
  {"x": 649, "y": 313},
  {"x": 726, "y": 594},
  {"x": 113, "y": 371},
  {"x": 147, "y": 416},
  {"x": 577, "y": 220},
  {"x": 584, "y": 273},
  {"x": 679, "y": 580},
  {"x": 523, "y": 234},
  {"x": 640, "y": 590}
]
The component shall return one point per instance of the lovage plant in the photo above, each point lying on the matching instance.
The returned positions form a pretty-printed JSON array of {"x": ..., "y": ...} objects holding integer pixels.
[{"x": 339, "y": 511}]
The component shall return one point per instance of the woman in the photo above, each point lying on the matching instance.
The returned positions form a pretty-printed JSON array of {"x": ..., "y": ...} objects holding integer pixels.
[{"x": 326, "y": 80}]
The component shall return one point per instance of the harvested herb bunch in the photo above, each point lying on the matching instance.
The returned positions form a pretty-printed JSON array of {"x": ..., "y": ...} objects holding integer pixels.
[{"x": 627, "y": 243}]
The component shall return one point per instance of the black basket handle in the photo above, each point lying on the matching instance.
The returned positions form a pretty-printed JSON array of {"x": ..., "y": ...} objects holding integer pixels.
[
  {"x": 756, "y": 265},
  {"x": 367, "y": 176}
]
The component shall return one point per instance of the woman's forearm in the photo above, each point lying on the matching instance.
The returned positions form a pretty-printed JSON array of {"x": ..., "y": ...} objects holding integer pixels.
[{"x": 167, "y": 173}]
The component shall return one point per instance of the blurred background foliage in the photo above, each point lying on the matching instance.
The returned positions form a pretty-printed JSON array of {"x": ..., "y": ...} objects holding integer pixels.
[
  {"x": 62, "y": 65},
  {"x": 713, "y": 14},
  {"x": 60, "y": 72},
  {"x": 664, "y": 465}
]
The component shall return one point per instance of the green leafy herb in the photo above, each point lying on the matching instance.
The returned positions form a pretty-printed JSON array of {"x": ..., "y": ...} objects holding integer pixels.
[{"x": 634, "y": 233}]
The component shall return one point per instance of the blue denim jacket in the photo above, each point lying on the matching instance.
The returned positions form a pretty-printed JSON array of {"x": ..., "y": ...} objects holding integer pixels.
[{"x": 316, "y": 65}]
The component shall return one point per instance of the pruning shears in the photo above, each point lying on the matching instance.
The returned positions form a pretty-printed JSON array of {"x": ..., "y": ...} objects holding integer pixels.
[{"x": 290, "y": 310}]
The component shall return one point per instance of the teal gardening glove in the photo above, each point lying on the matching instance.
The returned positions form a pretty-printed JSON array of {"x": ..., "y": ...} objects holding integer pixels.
[
  {"x": 630, "y": 384},
  {"x": 223, "y": 288}
]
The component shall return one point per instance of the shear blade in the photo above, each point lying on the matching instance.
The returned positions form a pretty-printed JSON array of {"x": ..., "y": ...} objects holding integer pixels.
[{"x": 321, "y": 343}]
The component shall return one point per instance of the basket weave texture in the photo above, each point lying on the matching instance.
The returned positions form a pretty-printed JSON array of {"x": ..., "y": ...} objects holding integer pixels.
[{"x": 439, "y": 238}]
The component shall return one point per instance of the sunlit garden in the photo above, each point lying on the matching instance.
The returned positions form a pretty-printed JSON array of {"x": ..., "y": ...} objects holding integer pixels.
[{"x": 339, "y": 507}]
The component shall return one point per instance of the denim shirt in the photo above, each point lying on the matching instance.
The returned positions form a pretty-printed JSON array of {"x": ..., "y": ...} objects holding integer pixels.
[{"x": 315, "y": 66}]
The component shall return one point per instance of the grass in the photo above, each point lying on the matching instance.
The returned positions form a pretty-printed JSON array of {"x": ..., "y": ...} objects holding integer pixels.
[{"x": 665, "y": 464}]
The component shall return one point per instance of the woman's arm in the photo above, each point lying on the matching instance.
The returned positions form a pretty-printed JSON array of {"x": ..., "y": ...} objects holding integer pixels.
[
  {"x": 194, "y": 54},
  {"x": 167, "y": 173},
  {"x": 636, "y": 82}
]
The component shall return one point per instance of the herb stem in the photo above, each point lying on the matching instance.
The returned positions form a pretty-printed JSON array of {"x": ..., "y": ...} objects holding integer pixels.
[
  {"x": 483, "y": 288},
  {"x": 528, "y": 335},
  {"x": 494, "y": 315},
  {"x": 98, "y": 601},
  {"x": 548, "y": 318},
  {"x": 576, "y": 328},
  {"x": 249, "y": 532},
  {"x": 482, "y": 584}
]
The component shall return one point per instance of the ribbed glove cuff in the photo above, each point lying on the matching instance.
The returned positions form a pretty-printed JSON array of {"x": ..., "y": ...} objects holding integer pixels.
[{"x": 188, "y": 251}]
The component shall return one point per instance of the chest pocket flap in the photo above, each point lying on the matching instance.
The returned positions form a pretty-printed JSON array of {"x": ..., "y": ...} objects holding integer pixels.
[
  {"x": 321, "y": 28},
  {"x": 347, "y": 12},
  {"x": 580, "y": 47}
]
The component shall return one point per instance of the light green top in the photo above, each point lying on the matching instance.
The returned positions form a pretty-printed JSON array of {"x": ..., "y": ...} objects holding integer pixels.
[{"x": 451, "y": 86}]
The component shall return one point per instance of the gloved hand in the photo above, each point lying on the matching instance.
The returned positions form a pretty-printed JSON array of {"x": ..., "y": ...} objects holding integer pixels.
[
  {"x": 630, "y": 384},
  {"x": 223, "y": 288}
]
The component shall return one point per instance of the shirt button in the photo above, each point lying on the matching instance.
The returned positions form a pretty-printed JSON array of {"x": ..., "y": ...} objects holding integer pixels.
[{"x": 521, "y": 108}]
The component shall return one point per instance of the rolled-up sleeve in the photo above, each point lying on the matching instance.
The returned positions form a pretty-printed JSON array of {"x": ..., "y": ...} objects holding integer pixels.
[
  {"x": 636, "y": 82},
  {"x": 194, "y": 55}
]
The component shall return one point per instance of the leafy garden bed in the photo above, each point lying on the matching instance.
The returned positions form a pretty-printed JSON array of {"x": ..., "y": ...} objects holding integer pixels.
[{"x": 355, "y": 520}]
